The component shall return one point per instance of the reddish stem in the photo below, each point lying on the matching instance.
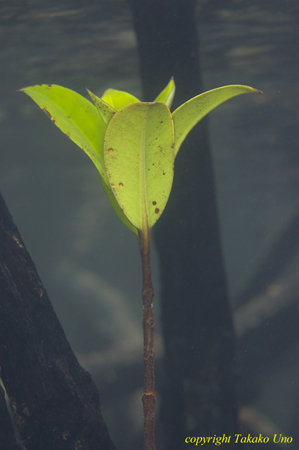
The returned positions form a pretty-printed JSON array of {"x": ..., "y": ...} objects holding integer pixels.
[{"x": 148, "y": 342}]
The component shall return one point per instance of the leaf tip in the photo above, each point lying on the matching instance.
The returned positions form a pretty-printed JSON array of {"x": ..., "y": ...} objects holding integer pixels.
[{"x": 91, "y": 95}]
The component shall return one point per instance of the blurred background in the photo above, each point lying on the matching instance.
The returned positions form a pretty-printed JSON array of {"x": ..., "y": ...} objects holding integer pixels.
[{"x": 87, "y": 260}]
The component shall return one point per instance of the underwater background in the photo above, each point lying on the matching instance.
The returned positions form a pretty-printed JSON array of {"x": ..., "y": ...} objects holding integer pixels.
[{"x": 89, "y": 262}]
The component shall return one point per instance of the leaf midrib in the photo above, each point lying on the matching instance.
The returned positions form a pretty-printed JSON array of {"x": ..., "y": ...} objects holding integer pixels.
[{"x": 144, "y": 209}]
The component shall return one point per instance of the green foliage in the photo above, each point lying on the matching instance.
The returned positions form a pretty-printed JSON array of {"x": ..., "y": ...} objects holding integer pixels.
[
  {"x": 133, "y": 144},
  {"x": 186, "y": 116},
  {"x": 75, "y": 116},
  {"x": 139, "y": 160}
]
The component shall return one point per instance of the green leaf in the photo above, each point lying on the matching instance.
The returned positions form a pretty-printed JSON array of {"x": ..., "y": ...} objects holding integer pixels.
[
  {"x": 105, "y": 110},
  {"x": 132, "y": 144},
  {"x": 118, "y": 99},
  {"x": 186, "y": 116},
  {"x": 77, "y": 117},
  {"x": 139, "y": 159},
  {"x": 166, "y": 96}
]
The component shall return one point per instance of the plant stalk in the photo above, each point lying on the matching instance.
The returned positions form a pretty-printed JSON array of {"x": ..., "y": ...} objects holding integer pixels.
[{"x": 148, "y": 398}]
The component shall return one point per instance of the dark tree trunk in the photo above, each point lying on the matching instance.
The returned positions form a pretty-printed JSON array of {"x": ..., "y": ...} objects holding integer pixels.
[
  {"x": 199, "y": 394},
  {"x": 51, "y": 401}
]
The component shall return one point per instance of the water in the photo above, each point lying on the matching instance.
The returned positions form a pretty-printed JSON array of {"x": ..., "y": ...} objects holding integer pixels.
[{"x": 87, "y": 260}]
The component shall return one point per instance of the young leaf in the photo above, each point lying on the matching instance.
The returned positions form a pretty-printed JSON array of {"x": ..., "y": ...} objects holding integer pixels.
[
  {"x": 186, "y": 116},
  {"x": 118, "y": 99},
  {"x": 139, "y": 159},
  {"x": 166, "y": 96},
  {"x": 75, "y": 116},
  {"x": 105, "y": 110}
]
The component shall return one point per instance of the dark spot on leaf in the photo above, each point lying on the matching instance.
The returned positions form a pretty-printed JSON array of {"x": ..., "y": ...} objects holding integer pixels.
[
  {"x": 47, "y": 112},
  {"x": 154, "y": 203},
  {"x": 157, "y": 210},
  {"x": 161, "y": 121}
]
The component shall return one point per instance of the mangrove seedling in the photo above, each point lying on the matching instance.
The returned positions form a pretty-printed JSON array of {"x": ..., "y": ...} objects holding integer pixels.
[{"x": 133, "y": 145}]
